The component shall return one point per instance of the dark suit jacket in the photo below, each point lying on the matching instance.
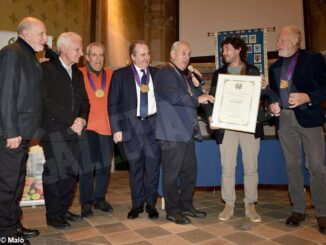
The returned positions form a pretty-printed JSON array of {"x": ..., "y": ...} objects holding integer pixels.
[
  {"x": 123, "y": 101},
  {"x": 20, "y": 76},
  {"x": 63, "y": 99},
  {"x": 176, "y": 110},
  {"x": 219, "y": 134},
  {"x": 309, "y": 77}
]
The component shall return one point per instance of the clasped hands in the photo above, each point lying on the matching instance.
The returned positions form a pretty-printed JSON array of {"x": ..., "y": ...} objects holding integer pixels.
[
  {"x": 78, "y": 125},
  {"x": 295, "y": 100}
]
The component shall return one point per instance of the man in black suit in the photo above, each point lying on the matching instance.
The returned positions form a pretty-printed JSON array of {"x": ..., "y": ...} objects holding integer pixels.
[
  {"x": 20, "y": 76},
  {"x": 177, "y": 100},
  {"x": 64, "y": 115},
  {"x": 298, "y": 77},
  {"x": 132, "y": 108}
]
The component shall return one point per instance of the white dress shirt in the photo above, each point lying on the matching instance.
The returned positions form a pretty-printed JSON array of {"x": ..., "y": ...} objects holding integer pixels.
[{"x": 151, "y": 97}]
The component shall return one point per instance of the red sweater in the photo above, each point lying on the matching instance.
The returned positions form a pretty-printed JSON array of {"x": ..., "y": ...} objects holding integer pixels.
[{"x": 98, "y": 119}]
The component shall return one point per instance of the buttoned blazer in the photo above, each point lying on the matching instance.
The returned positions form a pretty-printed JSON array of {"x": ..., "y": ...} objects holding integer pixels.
[
  {"x": 176, "y": 108},
  {"x": 63, "y": 100},
  {"x": 122, "y": 102}
]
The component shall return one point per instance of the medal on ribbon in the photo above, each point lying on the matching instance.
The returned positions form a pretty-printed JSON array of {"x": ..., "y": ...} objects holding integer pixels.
[
  {"x": 144, "y": 88},
  {"x": 99, "y": 93},
  {"x": 284, "y": 84}
]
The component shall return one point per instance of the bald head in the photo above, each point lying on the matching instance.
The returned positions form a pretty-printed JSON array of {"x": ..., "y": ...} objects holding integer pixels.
[
  {"x": 288, "y": 41},
  {"x": 33, "y": 31}
]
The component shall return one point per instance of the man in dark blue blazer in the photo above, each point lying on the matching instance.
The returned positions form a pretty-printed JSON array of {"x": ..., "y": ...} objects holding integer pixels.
[
  {"x": 177, "y": 100},
  {"x": 299, "y": 79},
  {"x": 132, "y": 109}
]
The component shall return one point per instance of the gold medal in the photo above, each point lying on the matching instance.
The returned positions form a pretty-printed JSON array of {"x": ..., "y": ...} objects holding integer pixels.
[
  {"x": 144, "y": 88},
  {"x": 284, "y": 84},
  {"x": 99, "y": 93}
]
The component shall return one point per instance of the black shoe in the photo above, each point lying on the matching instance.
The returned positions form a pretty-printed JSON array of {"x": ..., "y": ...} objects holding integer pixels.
[
  {"x": 25, "y": 242},
  {"x": 178, "y": 218},
  {"x": 104, "y": 206},
  {"x": 21, "y": 231},
  {"x": 195, "y": 213},
  {"x": 86, "y": 210},
  {"x": 58, "y": 223},
  {"x": 322, "y": 224},
  {"x": 152, "y": 211},
  {"x": 295, "y": 219},
  {"x": 72, "y": 217},
  {"x": 134, "y": 212}
]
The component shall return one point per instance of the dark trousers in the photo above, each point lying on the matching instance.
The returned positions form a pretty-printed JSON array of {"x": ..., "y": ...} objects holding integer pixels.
[
  {"x": 12, "y": 179},
  {"x": 144, "y": 158},
  {"x": 59, "y": 175},
  {"x": 179, "y": 175},
  {"x": 95, "y": 164},
  {"x": 292, "y": 137}
]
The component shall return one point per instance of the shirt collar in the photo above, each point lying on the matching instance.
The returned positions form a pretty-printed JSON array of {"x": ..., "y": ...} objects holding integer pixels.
[
  {"x": 64, "y": 65},
  {"x": 139, "y": 69},
  {"x": 93, "y": 71}
]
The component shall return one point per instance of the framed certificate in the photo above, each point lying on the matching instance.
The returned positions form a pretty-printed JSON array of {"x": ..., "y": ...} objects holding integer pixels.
[{"x": 236, "y": 102}]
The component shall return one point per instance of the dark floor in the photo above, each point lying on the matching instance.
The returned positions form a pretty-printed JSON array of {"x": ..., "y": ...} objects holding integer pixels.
[{"x": 115, "y": 228}]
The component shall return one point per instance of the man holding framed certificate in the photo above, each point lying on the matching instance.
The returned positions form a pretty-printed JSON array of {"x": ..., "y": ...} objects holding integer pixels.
[{"x": 236, "y": 110}]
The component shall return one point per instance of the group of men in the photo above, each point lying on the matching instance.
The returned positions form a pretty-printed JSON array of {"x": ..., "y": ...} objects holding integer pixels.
[{"x": 152, "y": 115}]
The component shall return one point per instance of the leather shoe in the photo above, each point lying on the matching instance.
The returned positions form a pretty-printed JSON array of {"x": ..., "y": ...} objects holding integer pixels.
[
  {"x": 86, "y": 210},
  {"x": 104, "y": 206},
  {"x": 26, "y": 233},
  {"x": 295, "y": 219},
  {"x": 195, "y": 213},
  {"x": 72, "y": 217},
  {"x": 178, "y": 218},
  {"x": 134, "y": 212},
  {"x": 58, "y": 223},
  {"x": 322, "y": 224},
  {"x": 152, "y": 211}
]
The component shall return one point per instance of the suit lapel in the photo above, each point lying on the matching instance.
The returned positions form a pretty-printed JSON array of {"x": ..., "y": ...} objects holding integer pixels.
[
  {"x": 180, "y": 79},
  {"x": 132, "y": 86},
  {"x": 277, "y": 73},
  {"x": 297, "y": 68}
]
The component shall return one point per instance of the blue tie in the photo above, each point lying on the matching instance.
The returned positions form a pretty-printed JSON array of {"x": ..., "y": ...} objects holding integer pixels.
[{"x": 143, "y": 97}]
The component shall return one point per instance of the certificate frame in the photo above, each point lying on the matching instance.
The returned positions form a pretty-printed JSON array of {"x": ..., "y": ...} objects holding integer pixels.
[{"x": 236, "y": 104}]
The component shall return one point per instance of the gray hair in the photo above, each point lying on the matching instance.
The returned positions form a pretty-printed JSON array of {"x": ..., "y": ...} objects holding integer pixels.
[
  {"x": 64, "y": 39},
  {"x": 176, "y": 44},
  {"x": 94, "y": 44}
]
